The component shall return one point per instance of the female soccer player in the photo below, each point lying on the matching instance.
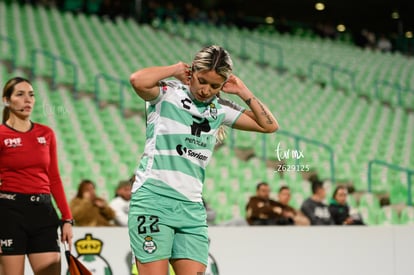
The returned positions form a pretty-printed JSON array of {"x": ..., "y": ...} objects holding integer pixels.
[{"x": 167, "y": 219}]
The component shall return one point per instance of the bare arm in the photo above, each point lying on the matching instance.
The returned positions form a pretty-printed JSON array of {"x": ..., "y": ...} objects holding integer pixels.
[
  {"x": 145, "y": 81},
  {"x": 258, "y": 118}
]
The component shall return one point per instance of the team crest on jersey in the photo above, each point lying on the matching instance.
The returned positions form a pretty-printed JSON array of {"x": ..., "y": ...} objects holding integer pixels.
[
  {"x": 41, "y": 140},
  {"x": 13, "y": 142},
  {"x": 149, "y": 245},
  {"x": 213, "y": 111}
]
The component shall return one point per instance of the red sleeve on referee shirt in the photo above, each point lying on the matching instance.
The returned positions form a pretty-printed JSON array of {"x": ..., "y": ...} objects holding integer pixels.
[{"x": 56, "y": 185}]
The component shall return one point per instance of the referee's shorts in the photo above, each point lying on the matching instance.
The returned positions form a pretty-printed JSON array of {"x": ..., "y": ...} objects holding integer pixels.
[{"x": 29, "y": 224}]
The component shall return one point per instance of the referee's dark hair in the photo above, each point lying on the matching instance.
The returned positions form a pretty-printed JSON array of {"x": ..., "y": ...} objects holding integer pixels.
[{"x": 7, "y": 92}]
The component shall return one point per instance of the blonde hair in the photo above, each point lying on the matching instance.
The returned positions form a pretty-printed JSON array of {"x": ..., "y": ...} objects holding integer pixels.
[
  {"x": 221, "y": 134},
  {"x": 214, "y": 58}
]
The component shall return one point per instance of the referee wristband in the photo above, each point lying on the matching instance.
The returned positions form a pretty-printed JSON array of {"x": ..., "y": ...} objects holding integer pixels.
[{"x": 71, "y": 222}]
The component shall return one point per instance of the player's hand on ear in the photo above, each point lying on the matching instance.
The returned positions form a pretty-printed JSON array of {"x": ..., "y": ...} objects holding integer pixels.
[
  {"x": 233, "y": 85},
  {"x": 183, "y": 72}
]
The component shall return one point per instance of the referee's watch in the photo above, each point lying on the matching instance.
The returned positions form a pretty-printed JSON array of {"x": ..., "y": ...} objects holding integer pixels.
[{"x": 71, "y": 222}]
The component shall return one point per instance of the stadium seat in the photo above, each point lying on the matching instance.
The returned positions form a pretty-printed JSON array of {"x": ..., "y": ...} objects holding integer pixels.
[
  {"x": 369, "y": 200},
  {"x": 369, "y": 215},
  {"x": 407, "y": 215},
  {"x": 388, "y": 216}
]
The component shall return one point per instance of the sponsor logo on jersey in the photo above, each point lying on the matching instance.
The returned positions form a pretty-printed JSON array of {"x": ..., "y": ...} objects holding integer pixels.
[
  {"x": 199, "y": 125},
  {"x": 186, "y": 102},
  {"x": 13, "y": 142},
  {"x": 196, "y": 142},
  {"x": 41, "y": 140},
  {"x": 181, "y": 150}
]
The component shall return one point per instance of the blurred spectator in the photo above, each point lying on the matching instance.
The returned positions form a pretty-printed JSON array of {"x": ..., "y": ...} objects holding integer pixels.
[
  {"x": 261, "y": 210},
  {"x": 326, "y": 30},
  {"x": 289, "y": 212},
  {"x": 340, "y": 210},
  {"x": 361, "y": 38},
  {"x": 88, "y": 209},
  {"x": 314, "y": 207},
  {"x": 366, "y": 39},
  {"x": 384, "y": 44},
  {"x": 372, "y": 40},
  {"x": 120, "y": 204}
]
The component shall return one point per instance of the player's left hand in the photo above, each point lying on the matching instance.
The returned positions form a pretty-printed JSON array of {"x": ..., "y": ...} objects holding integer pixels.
[{"x": 234, "y": 85}]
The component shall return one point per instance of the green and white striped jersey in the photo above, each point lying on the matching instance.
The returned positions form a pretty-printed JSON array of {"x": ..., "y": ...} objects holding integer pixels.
[{"x": 180, "y": 139}]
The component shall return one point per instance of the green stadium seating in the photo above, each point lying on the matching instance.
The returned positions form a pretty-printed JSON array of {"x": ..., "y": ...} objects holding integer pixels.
[
  {"x": 388, "y": 216},
  {"x": 407, "y": 215},
  {"x": 369, "y": 215},
  {"x": 98, "y": 142}
]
